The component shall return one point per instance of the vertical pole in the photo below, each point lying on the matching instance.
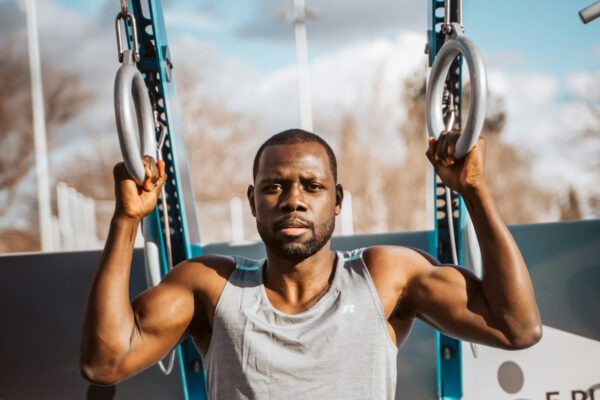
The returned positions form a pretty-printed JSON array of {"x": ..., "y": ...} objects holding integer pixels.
[
  {"x": 449, "y": 354},
  {"x": 346, "y": 215},
  {"x": 39, "y": 130},
  {"x": 299, "y": 19},
  {"x": 237, "y": 221},
  {"x": 64, "y": 218},
  {"x": 157, "y": 66}
]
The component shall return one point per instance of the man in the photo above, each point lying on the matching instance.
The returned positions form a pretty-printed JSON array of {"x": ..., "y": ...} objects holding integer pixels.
[{"x": 307, "y": 322}]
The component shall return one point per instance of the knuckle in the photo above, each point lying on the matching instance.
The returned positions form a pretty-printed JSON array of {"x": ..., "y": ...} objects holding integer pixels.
[{"x": 118, "y": 167}]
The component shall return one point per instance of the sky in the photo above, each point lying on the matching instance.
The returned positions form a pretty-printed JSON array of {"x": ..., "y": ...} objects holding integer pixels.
[
  {"x": 529, "y": 34},
  {"x": 540, "y": 58}
]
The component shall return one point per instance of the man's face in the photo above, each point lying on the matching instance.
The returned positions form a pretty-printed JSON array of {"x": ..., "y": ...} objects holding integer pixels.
[{"x": 295, "y": 199}]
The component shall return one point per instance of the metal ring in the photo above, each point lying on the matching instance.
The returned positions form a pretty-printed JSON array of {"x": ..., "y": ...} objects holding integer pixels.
[
  {"x": 458, "y": 44},
  {"x": 133, "y": 103}
]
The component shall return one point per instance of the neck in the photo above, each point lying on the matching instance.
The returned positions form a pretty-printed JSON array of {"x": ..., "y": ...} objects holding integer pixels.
[{"x": 297, "y": 282}]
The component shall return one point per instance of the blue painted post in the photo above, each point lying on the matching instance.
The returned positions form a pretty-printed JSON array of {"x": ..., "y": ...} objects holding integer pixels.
[
  {"x": 448, "y": 350},
  {"x": 156, "y": 65}
]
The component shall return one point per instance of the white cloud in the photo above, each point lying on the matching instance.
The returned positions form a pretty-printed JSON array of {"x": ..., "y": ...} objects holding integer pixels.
[
  {"x": 544, "y": 122},
  {"x": 359, "y": 80},
  {"x": 584, "y": 85},
  {"x": 340, "y": 21},
  {"x": 505, "y": 59}
]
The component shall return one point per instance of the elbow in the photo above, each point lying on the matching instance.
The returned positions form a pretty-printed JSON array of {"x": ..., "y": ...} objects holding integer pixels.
[
  {"x": 527, "y": 337},
  {"x": 98, "y": 375},
  {"x": 95, "y": 376}
]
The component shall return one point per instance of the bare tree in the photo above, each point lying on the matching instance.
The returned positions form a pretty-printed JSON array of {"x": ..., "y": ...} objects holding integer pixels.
[
  {"x": 589, "y": 140},
  {"x": 396, "y": 190},
  {"x": 63, "y": 98},
  {"x": 519, "y": 197}
]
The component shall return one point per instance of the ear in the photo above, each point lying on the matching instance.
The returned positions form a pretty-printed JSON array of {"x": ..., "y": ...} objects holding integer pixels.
[
  {"x": 250, "y": 194},
  {"x": 339, "y": 198}
]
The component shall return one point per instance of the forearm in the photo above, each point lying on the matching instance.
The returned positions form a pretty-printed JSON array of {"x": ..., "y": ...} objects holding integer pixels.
[
  {"x": 506, "y": 284},
  {"x": 109, "y": 319}
]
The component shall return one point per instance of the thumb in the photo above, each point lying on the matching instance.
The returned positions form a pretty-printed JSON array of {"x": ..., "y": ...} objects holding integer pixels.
[{"x": 162, "y": 175}]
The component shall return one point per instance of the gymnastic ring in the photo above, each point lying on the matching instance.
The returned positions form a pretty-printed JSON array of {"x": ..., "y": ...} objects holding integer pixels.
[
  {"x": 458, "y": 44},
  {"x": 133, "y": 103}
]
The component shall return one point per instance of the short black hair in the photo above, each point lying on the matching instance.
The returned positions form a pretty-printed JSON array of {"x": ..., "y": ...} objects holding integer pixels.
[{"x": 296, "y": 136}]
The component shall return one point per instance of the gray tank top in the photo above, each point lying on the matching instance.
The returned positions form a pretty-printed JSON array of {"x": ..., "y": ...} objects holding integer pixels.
[{"x": 339, "y": 348}]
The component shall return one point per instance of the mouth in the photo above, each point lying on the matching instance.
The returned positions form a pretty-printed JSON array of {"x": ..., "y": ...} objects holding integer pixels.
[
  {"x": 293, "y": 226},
  {"x": 293, "y": 231}
]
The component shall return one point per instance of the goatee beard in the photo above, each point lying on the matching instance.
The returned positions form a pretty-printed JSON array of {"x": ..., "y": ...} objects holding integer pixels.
[{"x": 295, "y": 250}]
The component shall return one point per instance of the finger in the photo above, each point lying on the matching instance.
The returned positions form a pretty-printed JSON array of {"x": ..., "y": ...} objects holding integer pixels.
[
  {"x": 454, "y": 136},
  {"x": 162, "y": 175},
  {"x": 119, "y": 171},
  {"x": 149, "y": 183},
  {"x": 161, "y": 169},
  {"x": 431, "y": 149},
  {"x": 440, "y": 148}
]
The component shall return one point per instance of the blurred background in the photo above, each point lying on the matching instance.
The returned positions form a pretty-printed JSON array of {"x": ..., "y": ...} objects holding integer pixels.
[{"x": 235, "y": 66}]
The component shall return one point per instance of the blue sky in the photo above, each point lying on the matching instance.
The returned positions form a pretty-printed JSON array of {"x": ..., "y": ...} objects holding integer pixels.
[
  {"x": 549, "y": 35},
  {"x": 525, "y": 34}
]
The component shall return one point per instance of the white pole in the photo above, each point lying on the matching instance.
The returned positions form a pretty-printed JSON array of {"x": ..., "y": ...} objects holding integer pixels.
[
  {"x": 346, "y": 215},
  {"x": 80, "y": 226},
  {"x": 299, "y": 16},
  {"x": 39, "y": 130},
  {"x": 56, "y": 240},
  {"x": 237, "y": 222},
  {"x": 64, "y": 216},
  {"x": 91, "y": 217}
]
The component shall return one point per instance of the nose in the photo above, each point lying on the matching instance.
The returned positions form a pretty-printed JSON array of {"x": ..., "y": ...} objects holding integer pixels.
[{"x": 292, "y": 200}]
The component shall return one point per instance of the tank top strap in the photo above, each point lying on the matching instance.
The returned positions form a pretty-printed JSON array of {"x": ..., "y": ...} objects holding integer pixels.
[
  {"x": 247, "y": 271},
  {"x": 352, "y": 255}
]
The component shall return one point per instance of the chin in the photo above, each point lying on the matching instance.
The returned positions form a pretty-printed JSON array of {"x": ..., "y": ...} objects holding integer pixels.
[{"x": 298, "y": 251}]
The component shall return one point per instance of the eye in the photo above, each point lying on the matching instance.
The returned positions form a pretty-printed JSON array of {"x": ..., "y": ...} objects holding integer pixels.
[
  {"x": 272, "y": 187},
  {"x": 313, "y": 187}
]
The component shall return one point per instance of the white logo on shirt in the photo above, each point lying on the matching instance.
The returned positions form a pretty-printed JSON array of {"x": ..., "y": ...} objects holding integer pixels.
[{"x": 347, "y": 308}]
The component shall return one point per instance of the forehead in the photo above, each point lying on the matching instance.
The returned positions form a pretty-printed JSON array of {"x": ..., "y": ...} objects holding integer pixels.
[{"x": 309, "y": 158}]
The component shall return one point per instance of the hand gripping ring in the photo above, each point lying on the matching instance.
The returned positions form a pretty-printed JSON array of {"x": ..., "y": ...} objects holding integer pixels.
[
  {"x": 133, "y": 103},
  {"x": 458, "y": 44}
]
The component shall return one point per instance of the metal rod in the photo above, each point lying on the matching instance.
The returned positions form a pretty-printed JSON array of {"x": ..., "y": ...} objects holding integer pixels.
[
  {"x": 447, "y": 12},
  {"x": 590, "y": 13}
]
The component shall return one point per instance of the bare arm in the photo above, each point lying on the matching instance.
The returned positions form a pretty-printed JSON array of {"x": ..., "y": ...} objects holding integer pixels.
[
  {"x": 121, "y": 338},
  {"x": 500, "y": 310}
]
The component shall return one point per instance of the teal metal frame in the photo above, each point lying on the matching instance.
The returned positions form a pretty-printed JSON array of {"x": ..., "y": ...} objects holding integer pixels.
[
  {"x": 448, "y": 350},
  {"x": 156, "y": 66}
]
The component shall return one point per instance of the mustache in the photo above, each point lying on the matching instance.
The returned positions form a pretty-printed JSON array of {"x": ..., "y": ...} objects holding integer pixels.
[{"x": 288, "y": 220}]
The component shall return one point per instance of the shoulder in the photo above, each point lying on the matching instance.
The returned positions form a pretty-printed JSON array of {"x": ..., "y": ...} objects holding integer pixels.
[
  {"x": 202, "y": 273},
  {"x": 396, "y": 260},
  {"x": 393, "y": 269}
]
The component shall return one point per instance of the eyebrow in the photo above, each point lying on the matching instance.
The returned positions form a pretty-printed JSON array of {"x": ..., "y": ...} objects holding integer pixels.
[{"x": 278, "y": 178}]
